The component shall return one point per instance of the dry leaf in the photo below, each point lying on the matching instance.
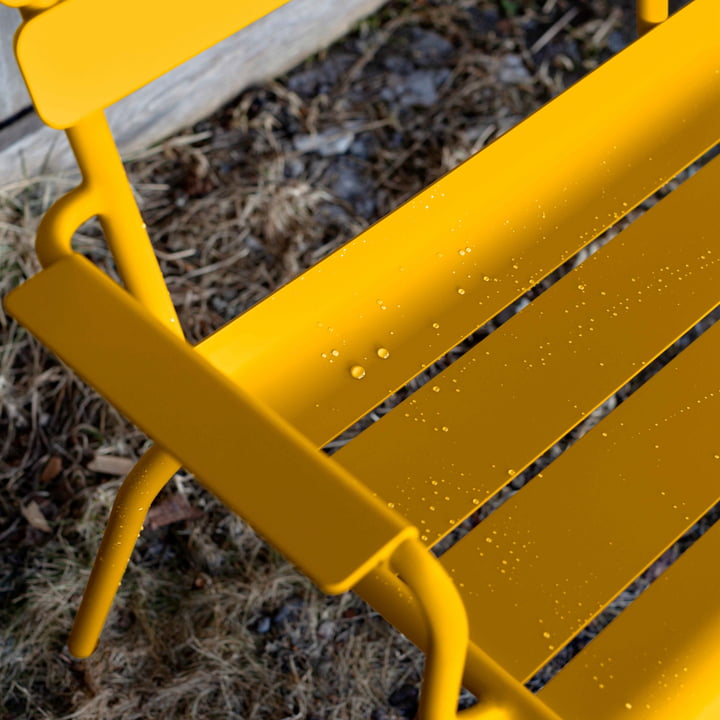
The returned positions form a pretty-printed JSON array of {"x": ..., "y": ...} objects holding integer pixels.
[
  {"x": 34, "y": 515},
  {"x": 172, "y": 510},
  {"x": 111, "y": 464},
  {"x": 52, "y": 469}
]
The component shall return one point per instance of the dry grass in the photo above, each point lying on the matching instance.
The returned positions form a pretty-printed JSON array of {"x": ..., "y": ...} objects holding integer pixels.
[{"x": 210, "y": 622}]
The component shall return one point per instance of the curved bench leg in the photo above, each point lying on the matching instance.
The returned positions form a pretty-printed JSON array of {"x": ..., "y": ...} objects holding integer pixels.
[
  {"x": 447, "y": 629},
  {"x": 129, "y": 510},
  {"x": 424, "y": 604}
]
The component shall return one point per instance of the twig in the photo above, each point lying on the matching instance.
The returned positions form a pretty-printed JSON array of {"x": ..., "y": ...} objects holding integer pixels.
[
  {"x": 604, "y": 30},
  {"x": 553, "y": 30}
]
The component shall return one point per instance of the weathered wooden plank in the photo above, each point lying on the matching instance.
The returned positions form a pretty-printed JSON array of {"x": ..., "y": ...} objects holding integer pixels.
[
  {"x": 13, "y": 95},
  {"x": 191, "y": 92}
]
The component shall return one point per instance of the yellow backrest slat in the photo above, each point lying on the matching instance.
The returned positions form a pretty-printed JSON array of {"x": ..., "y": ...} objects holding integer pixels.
[{"x": 84, "y": 55}]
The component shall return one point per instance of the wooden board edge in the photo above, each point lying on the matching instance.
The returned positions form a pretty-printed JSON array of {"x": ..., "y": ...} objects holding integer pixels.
[{"x": 191, "y": 92}]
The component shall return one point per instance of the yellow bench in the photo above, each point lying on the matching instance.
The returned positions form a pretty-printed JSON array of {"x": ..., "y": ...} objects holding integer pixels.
[{"x": 517, "y": 588}]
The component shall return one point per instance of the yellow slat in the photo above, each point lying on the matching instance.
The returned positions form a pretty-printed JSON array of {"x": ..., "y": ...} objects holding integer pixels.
[
  {"x": 492, "y": 228},
  {"x": 546, "y": 562},
  {"x": 461, "y": 437},
  {"x": 259, "y": 466},
  {"x": 84, "y": 55},
  {"x": 660, "y": 657}
]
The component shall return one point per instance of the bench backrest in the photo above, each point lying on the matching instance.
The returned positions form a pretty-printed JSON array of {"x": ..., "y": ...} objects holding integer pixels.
[{"x": 82, "y": 55}]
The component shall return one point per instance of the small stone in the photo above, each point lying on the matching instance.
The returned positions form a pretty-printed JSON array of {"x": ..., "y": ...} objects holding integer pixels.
[
  {"x": 326, "y": 630},
  {"x": 294, "y": 167},
  {"x": 616, "y": 42},
  {"x": 428, "y": 48},
  {"x": 421, "y": 88},
  {"x": 289, "y": 611},
  {"x": 364, "y": 147},
  {"x": 399, "y": 65},
  {"x": 512, "y": 70},
  {"x": 335, "y": 141},
  {"x": 346, "y": 180},
  {"x": 405, "y": 699},
  {"x": 483, "y": 21}
]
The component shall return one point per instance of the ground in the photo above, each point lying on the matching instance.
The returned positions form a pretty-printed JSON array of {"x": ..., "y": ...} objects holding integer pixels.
[{"x": 210, "y": 622}]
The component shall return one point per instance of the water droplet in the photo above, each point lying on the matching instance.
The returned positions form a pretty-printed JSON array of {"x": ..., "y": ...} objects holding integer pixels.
[
  {"x": 335, "y": 353},
  {"x": 628, "y": 706},
  {"x": 436, "y": 325},
  {"x": 461, "y": 291},
  {"x": 357, "y": 371},
  {"x": 445, "y": 428},
  {"x": 383, "y": 353},
  {"x": 436, "y": 388},
  {"x": 511, "y": 472}
]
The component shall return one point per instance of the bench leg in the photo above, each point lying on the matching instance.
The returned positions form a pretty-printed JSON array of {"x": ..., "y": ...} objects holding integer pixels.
[
  {"x": 446, "y": 623},
  {"x": 129, "y": 510},
  {"x": 650, "y": 13},
  {"x": 424, "y": 604}
]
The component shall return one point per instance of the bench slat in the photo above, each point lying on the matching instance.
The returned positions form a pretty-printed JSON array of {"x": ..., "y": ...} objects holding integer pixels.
[
  {"x": 396, "y": 285},
  {"x": 510, "y": 398},
  {"x": 662, "y": 654},
  {"x": 556, "y": 553}
]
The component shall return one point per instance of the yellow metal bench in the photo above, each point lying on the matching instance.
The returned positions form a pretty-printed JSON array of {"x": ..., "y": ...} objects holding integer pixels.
[{"x": 269, "y": 388}]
